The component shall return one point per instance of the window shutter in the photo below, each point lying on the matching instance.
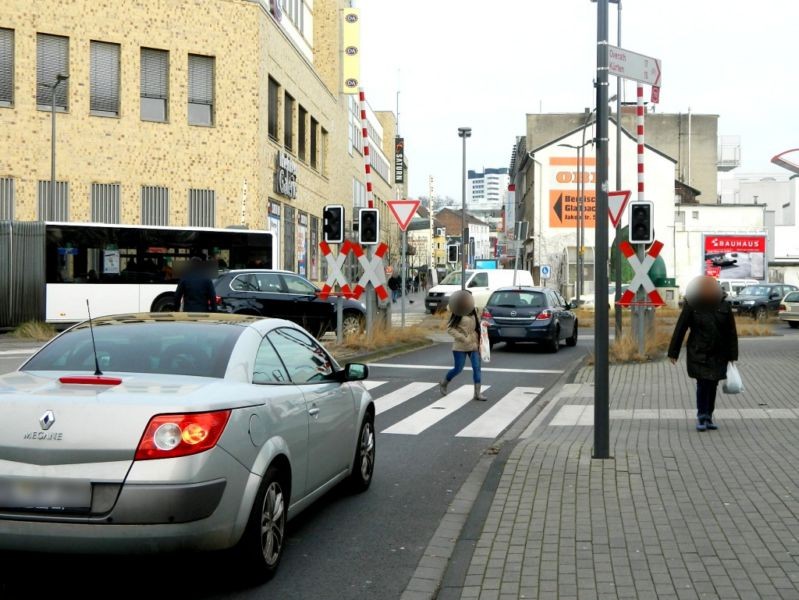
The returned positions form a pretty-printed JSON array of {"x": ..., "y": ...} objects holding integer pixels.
[
  {"x": 202, "y": 208},
  {"x": 154, "y": 205},
  {"x": 6, "y": 66},
  {"x": 6, "y": 199},
  {"x": 201, "y": 79},
  {"x": 104, "y": 78},
  {"x": 52, "y": 59},
  {"x": 105, "y": 203},
  {"x": 154, "y": 73}
]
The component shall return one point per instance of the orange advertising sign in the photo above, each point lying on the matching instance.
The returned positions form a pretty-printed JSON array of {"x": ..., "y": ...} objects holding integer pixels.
[{"x": 563, "y": 208}]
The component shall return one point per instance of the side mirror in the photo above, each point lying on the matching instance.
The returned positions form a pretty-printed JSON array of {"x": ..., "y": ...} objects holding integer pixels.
[
  {"x": 568, "y": 306},
  {"x": 356, "y": 372}
]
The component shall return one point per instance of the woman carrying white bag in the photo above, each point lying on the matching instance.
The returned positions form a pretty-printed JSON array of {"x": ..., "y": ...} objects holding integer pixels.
[{"x": 712, "y": 345}]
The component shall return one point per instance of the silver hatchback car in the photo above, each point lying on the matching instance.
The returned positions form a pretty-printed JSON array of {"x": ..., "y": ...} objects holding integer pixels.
[{"x": 155, "y": 432}]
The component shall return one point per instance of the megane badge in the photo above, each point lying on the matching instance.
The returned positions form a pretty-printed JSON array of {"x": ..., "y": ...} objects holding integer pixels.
[{"x": 47, "y": 420}]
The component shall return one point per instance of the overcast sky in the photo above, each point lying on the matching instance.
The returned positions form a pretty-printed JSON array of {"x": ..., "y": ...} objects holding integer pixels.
[{"x": 486, "y": 64}]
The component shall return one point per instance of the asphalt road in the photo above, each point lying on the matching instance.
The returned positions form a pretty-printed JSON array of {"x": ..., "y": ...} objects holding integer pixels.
[{"x": 364, "y": 546}]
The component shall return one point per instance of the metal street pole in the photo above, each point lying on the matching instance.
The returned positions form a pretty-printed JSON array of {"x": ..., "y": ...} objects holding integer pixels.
[
  {"x": 463, "y": 133},
  {"x": 50, "y": 206},
  {"x": 601, "y": 384},
  {"x": 617, "y": 266},
  {"x": 404, "y": 271},
  {"x": 578, "y": 263}
]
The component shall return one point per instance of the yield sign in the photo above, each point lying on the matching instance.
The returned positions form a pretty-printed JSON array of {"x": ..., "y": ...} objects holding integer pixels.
[
  {"x": 403, "y": 211},
  {"x": 617, "y": 202}
]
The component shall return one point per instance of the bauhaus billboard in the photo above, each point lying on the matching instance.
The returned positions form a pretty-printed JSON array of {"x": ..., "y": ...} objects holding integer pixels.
[{"x": 735, "y": 256}]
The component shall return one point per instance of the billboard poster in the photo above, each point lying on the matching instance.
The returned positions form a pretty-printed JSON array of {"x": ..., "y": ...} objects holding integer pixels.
[
  {"x": 563, "y": 208},
  {"x": 735, "y": 256},
  {"x": 566, "y": 174}
]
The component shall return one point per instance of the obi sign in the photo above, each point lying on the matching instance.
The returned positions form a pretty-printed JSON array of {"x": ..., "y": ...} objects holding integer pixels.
[
  {"x": 735, "y": 256},
  {"x": 566, "y": 176},
  {"x": 286, "y": 175},
  {"x": 563, "y": 208}
]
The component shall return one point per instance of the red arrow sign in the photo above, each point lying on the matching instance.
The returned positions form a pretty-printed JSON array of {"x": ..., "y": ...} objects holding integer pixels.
[
  {"x": 403, "y": 211},
  {"x": 617, "y": 202}
]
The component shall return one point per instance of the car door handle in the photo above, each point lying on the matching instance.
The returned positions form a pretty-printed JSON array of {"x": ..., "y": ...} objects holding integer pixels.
[{"x": 313, "y": 411}]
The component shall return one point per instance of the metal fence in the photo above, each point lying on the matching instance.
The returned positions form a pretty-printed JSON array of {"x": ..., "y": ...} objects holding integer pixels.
[{"x": 22, "y": 272}]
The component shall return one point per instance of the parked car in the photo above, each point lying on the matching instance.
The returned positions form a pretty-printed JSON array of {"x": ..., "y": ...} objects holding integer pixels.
[
  {"x": 732, "y": 287},
  {"x": 530, "y": 314},
  {"x": 204, "y": 432},
  {"x": 481, "y": 283},
  {"x": 789, "y": 310},
  {"x": 761, "y": 300},
  {"x": 588, "y": 301},
  {"x": 285, "y": 295}
]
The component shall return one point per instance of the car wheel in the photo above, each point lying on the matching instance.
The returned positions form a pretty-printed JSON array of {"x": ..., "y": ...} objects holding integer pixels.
[
  {"x": 352, "y": 324},
  {"x": 261, "y": 547},
  {"x": 793, "y": 324},
  {"x": 164, "y": 303},
  {"x": 571, "y": 341},
  {"x": 363, "y": 465},
  {"x": 554, "y": 343},
  {"x": 761, "y": 314}
]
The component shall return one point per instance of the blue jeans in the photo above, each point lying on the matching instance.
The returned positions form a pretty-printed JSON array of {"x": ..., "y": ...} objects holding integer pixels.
[
  {"x": 460, "y": 362},
  {"x": 394, "y": 295}
]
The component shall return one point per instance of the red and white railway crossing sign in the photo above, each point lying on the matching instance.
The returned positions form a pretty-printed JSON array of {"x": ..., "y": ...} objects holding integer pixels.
[
  {"x": 373, "y": 270},
  {"x": 641, "y": 279},
  {"x": 335, "y": 269}
]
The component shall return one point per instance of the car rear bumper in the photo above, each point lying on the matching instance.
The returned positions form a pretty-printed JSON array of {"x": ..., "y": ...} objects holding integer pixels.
[
  {"x": 528, "y": 333},
  {"x": 435, "y": 304},
  {"x": 786, "y": 316}
]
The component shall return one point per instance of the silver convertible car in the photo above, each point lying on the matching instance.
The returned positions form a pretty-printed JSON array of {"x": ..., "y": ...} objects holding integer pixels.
[{"x": 181, "y": 431}]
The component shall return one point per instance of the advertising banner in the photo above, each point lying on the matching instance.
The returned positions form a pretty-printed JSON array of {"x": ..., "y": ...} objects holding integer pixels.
[
  {"x": 351, "y": 60},
  {"x": 735, "y": 256},
  {"x": 563, "y": 208}
]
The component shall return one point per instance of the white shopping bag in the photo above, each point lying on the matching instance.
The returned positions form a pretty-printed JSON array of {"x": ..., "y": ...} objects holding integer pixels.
[
  {"x": 733, "y": 384},
  {"x": 485, "y": 346}
]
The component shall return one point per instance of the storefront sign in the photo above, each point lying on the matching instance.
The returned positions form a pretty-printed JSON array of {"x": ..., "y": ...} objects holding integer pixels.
[
  {"x": 735, "y": 256},
  {"x": 399, "y": 160},
  {"x": 351, "y": 59},
  {"x": 286, "y": 175}
]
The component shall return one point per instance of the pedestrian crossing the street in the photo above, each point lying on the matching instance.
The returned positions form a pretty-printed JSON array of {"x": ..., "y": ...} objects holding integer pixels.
[{"x": 498, "y": 412}]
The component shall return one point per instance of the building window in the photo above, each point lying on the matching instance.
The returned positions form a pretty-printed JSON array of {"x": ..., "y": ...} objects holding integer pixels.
[
  {"x": 323, "y": 153},
  {"x": 52, "y": 60},
  {"x": 314, "y": 144},
  {"x": 289, "y": 243},
  {"x": 154, "y": 85},
  {"x": 202, "y": 208},
  {"x": 201, "y": 90},
  {"x": 313, "y": 272},
  {"x": 59, "y": 210},
  {"x": 288, "y": 122},
  {"x": 104, "y": 79},
  {"x": 6, "y": 199},
  {"x": 105, "y": 203},
  {"x": 302, "y": 128},
  {"x": 6, "y": 67},
  {"x": 274, "y": 90},
  {"x": 154, "y": 205}
]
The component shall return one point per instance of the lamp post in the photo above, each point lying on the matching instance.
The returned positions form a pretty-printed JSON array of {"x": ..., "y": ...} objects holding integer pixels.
[
  {"x": 50, "y": 207},
  {"x": 463, "y": 133},
  {"x": 579, "y": 229},
  {"x": 617, "y": 266}
]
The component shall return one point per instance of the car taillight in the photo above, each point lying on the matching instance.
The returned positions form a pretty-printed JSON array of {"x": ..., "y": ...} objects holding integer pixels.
[
  {"x": 544, "y": 315},
  {"x": 219, "y": 300},
  {"x": 487, "y": 316},
  {"x": 782, "y": 307},
  {"x": 170, "y": 436}
]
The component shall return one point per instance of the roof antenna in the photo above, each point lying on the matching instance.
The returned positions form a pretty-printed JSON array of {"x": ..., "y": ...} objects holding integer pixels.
[{"x": 97, "y": 370}]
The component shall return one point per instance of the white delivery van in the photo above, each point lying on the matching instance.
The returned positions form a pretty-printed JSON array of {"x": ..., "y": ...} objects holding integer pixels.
[
  {"x": 732, "y": 286},
  {"x": 481, "y": 283}
]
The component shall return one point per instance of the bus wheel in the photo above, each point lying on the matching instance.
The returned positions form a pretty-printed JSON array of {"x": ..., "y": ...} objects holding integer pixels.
[{"x": 165, "y": 303}]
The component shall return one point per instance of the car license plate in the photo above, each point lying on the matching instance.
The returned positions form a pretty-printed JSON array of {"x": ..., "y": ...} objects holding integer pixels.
[
  {"x": 513, "y": 332},
  {"x": 21, "y": 493}
]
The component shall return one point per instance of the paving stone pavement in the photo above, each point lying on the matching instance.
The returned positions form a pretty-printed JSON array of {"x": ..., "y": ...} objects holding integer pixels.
[{"x": 676, "y": 514}]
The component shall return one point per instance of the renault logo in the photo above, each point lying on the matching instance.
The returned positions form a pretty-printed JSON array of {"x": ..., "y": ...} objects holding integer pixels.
[{"x": 47, "y": 420}]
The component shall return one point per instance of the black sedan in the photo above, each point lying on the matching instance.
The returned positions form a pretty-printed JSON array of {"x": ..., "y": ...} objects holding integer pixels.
[
  {"x": 285, "y": 295},
  {"x": 528, "y": 314},
  {"x": 760, "y": 301}
]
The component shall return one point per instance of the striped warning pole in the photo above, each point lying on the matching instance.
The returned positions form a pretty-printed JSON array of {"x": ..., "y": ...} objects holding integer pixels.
[
  {"x": 367, "y": 159},
  {"x": 640, "y": 125}
]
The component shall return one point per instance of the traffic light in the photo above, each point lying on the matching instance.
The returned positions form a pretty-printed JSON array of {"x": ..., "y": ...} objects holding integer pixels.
[
  {"x": 369, "y": 226},
  {"x": 452, "y": 252},
  {"x": 642, "y": 227},
  {"x": 333, "y": 217}
]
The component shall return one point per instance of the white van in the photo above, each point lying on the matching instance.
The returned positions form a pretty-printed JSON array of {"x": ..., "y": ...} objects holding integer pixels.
[
  {"x": 481, "y": 283},
  {"x": 731, "y": 287}
]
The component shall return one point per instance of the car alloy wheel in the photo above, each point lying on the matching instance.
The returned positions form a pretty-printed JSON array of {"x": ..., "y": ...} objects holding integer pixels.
[
  {"x": 760, "y": 314},
  {"x": 351, "y": 325},
  {"x": 367, "y": 451},
  {"x": 273, "y": 523}
]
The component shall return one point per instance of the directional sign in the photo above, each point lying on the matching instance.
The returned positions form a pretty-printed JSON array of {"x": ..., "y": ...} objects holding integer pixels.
[
  {"x": 403, "y": 211},
  {"x": 631, "y": 65},
  {"x": 617, "y": 202},
  {"x": 641, "y": 279},
  {"x": 546, "y": 271}
]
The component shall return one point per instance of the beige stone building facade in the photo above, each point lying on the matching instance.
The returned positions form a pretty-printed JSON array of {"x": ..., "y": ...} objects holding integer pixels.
[{"x": 208, "y": 113}]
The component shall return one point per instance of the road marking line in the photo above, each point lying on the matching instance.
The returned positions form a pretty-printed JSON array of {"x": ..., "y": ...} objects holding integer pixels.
[
  {"x": 18, "y": 352},
  {"x": 447, "y": 368},
  {"x": 572, "y": 415},
  {"x": 494, "y": 421},
  {"x": 405, "y": 393},
  {"x": 370, "y": 384},
  {"x": 430, "y": 415}
]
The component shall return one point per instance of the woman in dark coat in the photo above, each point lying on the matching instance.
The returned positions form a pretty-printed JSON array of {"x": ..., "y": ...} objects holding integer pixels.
[{"x": 712, "y": 343}]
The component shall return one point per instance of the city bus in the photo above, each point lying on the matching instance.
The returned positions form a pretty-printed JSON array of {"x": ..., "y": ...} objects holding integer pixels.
[{"x": 129, "y": 268}]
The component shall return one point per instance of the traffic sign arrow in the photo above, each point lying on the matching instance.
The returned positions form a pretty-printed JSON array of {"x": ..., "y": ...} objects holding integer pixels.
[
  {"x": 403, "y": 211},
  {"x": 631, "y": 65},
  {"x": 617, "y": 202}
]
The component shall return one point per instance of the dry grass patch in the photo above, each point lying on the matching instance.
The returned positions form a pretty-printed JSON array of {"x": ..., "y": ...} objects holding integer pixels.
[
  {"x": 38, "y": 331},
  {"x": 383, "y": 338},
  {"x": 754, "y": 329}
]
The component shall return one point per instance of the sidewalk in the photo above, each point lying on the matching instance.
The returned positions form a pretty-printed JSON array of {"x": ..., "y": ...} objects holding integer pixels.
[{"x": 676, "y": 513}]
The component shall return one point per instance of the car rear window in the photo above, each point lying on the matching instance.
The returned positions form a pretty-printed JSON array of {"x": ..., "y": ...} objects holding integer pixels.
[
  {"x": 792, "y": 297},
  {"x": 518, "y": 299},
  {"x": 200, "y": 349}
]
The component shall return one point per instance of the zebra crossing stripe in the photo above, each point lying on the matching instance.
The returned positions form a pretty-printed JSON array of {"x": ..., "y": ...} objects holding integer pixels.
[
  {"x": 370, "y": 384},
  {"x": 405, "y": 393},
  {"x": 432, "y": 414},
  {"x": 494, "y": 421}
]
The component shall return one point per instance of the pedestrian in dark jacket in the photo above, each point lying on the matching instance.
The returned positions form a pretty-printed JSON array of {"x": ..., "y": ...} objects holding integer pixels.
[
  {"x": 196, "y": 290},
  {"x": 712, "y": 343}
]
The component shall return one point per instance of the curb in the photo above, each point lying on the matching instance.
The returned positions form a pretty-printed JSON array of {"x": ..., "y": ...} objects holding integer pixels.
[{"x": 430, "y": 573}]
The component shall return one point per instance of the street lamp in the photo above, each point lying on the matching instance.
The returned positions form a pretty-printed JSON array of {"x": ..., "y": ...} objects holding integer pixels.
[
  {"x": 579, "y": 226},
  {"x": 463, "y": 133},
  {"x": 59, "y": 79}
]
